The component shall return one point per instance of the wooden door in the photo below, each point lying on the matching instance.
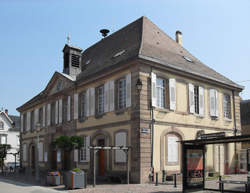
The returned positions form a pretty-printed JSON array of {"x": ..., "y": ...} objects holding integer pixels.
[
  {"x": 54, "y": 160},
  {"x": 101, "y": 160}
]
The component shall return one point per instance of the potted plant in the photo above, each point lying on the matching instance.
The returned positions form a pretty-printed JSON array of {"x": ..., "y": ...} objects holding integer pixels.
[{"x": 74, "y": 178}]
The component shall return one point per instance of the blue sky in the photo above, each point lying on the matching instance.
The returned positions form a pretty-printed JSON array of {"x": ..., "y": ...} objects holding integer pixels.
[{"x": 33, "y": 34}]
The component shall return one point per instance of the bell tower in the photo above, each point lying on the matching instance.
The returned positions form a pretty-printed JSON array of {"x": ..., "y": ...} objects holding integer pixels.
[{"x": 72, "y": 60}]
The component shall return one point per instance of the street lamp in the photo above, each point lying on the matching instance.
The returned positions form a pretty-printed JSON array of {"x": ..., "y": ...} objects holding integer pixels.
[
  {"x": 38, "y": 126},
  {"x": 139, "y": 85}
]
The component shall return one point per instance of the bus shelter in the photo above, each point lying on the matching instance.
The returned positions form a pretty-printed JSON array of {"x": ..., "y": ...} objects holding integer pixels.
[{"x": 194, "y": 164}]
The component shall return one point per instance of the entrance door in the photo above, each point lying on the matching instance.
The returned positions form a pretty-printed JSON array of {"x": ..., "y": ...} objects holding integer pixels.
[
  {"x": 101, "y": 158},
  {"x": 33, "y": 157},
  {"x": 54, "y": 160},
  {"x": 193, "y": 162}
]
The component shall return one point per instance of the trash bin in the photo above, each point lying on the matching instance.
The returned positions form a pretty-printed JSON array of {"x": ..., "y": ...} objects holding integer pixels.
[
  {"x": 74, "y": 179},
  {"x": 54, "y": 178}
]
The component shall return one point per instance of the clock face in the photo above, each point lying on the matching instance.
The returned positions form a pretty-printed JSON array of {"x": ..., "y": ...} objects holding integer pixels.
[{"x": 59, "y": 85}]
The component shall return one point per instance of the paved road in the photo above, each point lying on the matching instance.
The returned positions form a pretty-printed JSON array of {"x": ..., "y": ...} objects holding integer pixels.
[{"x": 9, "y": 186}]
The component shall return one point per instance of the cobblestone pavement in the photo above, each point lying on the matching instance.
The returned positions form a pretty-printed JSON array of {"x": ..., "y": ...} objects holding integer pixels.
[{"x": 131, "y": 188}]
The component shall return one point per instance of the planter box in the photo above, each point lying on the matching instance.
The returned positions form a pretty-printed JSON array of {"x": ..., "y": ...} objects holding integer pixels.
[
  {"x": 54, "y": 180},
  {"x": 74, "y": 180}
]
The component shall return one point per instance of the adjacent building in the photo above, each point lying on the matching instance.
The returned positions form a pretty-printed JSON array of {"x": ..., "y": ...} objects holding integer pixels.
[
  {"x": 9, "y": 134},
  {"x": 96, "y": 97}
]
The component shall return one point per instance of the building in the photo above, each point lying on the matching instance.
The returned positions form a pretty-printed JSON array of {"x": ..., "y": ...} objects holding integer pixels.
[
  {"x": 9, "y": 134},
  {"x": 96, "y": 97}
]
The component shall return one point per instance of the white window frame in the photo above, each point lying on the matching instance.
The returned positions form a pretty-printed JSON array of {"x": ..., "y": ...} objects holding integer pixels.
[
  {"x": 121, "y": 93},
  {"x": 1, "y": 125},
  {"x": 100, "y": 100},
  {"x": 160, "y": 93},
  {"x": 227, "y": 106}
]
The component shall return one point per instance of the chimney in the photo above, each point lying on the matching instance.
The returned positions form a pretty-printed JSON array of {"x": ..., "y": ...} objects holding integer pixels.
[
  {"x": 178, "y": 37},
  {"x": 6, "y": 111}
]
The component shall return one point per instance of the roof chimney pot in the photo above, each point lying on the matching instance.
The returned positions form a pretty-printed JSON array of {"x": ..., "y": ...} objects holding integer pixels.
[
  {"x": 6, "y": 111},
  {"x": 178, "y": 37}
]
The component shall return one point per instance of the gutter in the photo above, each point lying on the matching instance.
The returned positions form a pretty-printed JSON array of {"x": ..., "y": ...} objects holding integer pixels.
[{"x": 152, "y": 131}]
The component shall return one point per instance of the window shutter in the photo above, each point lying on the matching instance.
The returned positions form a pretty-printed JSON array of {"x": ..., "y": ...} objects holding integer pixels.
[
  {"x": 75, "y": 105},
  {"x": 36, "y": 119},
  {"x": 212, "y": 102},
  {"x": 48, "y": 114},
  {"x": 106, "y": 97},
  {"x": 28, "y": 121},
  {"x": 21, "y": 123},
  {"x": 45, "y": 156},
  {"x": 60, "y": 111},
  {"x": 58, "y": 155},
  {"x": 75, "y": 155},
  {"x": 120, "y": 140},
  {"x": 43, "y": 124},
  {"x": 40, "y": 152},
  {"x": 24, "y": 152},
  {"x": 172, "y": 93},
  {"x": 92, "y": 101},
  {"x": 111, "y": 95},
  {"x": 87, "y": 102},
  {"x": 153, "y": 89},
  {"x": 68, "y": 108},
  {"x": 87, "y": 144},
  {"x": 191, "y": 97},
  {"x": 201, "y": 101},
  {"x": 56, "y": 112},
  {"x": 128, "y": 90},
  {"x": 216, "y": 103}
]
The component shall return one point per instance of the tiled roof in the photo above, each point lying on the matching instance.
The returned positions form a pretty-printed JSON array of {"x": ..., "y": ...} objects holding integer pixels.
[
  {"x": 16, "y": 122},
  {"x": 143, "y": 39}
]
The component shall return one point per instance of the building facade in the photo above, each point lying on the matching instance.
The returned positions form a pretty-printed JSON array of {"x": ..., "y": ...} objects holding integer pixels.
[
  {"x": 96, "y": 97},
  {"x": 9, "y": 134}
]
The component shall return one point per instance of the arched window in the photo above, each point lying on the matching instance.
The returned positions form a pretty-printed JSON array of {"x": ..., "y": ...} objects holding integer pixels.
[
  {"x": 172, "y": 149},
  {"x": 1, "y": 125}
]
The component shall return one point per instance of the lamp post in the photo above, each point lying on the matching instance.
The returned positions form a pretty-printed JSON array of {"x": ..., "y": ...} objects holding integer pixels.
[{"x": 37, "y": 153}]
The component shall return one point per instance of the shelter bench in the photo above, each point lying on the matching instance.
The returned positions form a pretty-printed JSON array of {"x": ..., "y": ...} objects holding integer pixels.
[{"x": 222, "y": 182}]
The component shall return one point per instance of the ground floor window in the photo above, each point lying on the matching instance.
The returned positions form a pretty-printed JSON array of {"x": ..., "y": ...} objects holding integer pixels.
[{"x": 172, "y": 149}]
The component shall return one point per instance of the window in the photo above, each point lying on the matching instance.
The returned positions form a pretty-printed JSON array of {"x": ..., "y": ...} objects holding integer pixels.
[
  {"x": 100, "y": 100},
  {"x": 196, "y": 99},
  {"x": 32, "y": 121},
  {"x": 214, "y": 111},
  {"x": 122, "y": 93},
  {"x": 84, "y": 151},
  {"x": 3, "y": 139},
  {"x": 1, "y": 124},
  {"x": 227, "y": 106},
  {"x": 161, "y": 93},
  {"x": 82, "y": 105}
]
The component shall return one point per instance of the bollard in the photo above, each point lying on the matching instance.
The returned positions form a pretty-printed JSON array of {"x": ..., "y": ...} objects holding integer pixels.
[
  {"x": 163, "y": 176},
  {"x": 248, "y": 184},
  {"x": 156, "y": 180},
  {"x": 175, "y": 184},
  {"x": 220, "y": 184}
]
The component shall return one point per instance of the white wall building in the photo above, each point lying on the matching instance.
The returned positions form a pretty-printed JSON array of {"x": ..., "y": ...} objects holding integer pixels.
[{"x": 9, "y": 134}]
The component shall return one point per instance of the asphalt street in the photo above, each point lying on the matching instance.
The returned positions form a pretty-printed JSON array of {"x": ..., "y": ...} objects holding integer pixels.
[{"x": 9, "y": 186}]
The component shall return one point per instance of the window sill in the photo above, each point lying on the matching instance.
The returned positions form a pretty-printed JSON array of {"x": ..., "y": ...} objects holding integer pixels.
[
  {"x": 214, "y": 118},
  {"x": 98, "y": 116},
  {"x": 120, "y": 111},
  {"x": 162, "y": 110},
  {"x": 199, "y": 116},
  {"x": 82, "y": 119},
  {"x": 120, "y": 163},
  {"x": 227, "y": 119}
]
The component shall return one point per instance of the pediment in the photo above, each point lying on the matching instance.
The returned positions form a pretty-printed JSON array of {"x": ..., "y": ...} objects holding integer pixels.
[{"x": 58, "y": 83}]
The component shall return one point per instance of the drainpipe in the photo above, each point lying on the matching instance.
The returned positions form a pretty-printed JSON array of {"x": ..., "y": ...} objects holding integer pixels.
[
  {"x": 152, "y": 132},
  {"x": 235, "y": 132}
]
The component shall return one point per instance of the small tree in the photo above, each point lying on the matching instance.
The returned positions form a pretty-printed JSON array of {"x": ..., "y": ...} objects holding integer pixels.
[{"x": 3, "y": 152}]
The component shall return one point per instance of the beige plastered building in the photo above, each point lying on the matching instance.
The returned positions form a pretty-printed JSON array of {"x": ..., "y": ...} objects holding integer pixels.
[{"x": 96, "y": 97}]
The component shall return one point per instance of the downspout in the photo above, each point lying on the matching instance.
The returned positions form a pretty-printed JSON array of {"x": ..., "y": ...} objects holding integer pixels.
[
  {"x": 152, "y": 132},
  {"x": 235, "y": 132}
]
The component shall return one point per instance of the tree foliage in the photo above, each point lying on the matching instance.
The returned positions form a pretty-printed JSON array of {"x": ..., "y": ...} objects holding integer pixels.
[
  {"x": 3, "y": 150},
  {"x": 68, "y": 143}
]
